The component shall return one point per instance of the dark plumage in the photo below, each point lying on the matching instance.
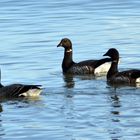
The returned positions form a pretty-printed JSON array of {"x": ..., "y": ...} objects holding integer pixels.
[
  {"x": 19, "y": 90},
  {"x": 113, "y": 76},
  {"x": 84, "y": 67}
]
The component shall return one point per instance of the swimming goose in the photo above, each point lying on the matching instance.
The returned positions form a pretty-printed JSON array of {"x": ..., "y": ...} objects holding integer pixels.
[
  {"x": 113, "y": 76},
  {"x": 84, "y": 67},
  {"x": 19, "y": 90}
]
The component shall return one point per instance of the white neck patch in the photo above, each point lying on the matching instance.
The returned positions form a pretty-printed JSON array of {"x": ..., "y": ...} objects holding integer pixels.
[
  {"x": 138, "y": 80},
  {"x": 70, "y": 50}
]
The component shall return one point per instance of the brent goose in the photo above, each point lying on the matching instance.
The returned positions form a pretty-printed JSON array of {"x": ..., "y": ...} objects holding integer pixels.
[
  {"x": 19, "y": 90},
  {"x": 114, "y": 77},
  {"x": 84, "y": 67}
]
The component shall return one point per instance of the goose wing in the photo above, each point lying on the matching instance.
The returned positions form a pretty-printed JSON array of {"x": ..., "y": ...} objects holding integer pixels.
[
  {"x": 93, "y": 63},
  {"x": 88, "y": 66},
  {"x": 128, "y": 76},
  {"x": 130, "y": 73},
  {"x": 15, "y": 90}
]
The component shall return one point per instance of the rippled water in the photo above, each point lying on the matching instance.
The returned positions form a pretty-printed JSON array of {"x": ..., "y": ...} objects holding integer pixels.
[{"x": 70, "y": 108}]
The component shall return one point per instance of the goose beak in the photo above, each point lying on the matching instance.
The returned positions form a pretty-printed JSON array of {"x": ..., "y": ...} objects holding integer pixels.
[
  {"x": 59, "y": 45},
  {"x": 105, "y": 54}
]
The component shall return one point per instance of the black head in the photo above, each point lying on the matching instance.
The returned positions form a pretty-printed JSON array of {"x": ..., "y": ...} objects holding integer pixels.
[
  {"x": 113, "y": 53},
  {"x": 66, "y": 43}
]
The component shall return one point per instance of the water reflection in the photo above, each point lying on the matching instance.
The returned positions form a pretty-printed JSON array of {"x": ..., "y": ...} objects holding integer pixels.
[
  {"x": 1, "y": 127},
  {"x": 115, "y": 103},
  {"x": 1, "y": 108},
  {"x": 30, "y": 30},
  {"x": 69, "y": 81},
  {"x": 68, "y": 116},
  {"x": 115, "y": 107},
  {"x": 16, "y": 100}
]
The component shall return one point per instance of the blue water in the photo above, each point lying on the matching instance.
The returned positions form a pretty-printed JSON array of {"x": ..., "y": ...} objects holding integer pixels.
[{"x": 70, "y": 108}]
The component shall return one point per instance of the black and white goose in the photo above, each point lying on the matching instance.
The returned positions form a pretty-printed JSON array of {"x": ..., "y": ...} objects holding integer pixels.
[
  {"x": 84, "y": 67},
  {"x": 19, "y": 90},
  {"x": 125, "y": 77}
]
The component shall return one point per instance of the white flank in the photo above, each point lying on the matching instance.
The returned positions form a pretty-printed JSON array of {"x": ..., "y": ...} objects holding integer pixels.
[
  {"x": 138, "y": 80},
  {"x": 32, "y": 93},
  {"x": 102, "y": 68}
]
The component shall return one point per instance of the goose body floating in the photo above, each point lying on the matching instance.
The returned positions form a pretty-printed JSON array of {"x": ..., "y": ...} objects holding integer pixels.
[
  {"x": 114, "y": 76},
  {"x": 84, "y": 67},
  {"x": 19, "y": 90}
]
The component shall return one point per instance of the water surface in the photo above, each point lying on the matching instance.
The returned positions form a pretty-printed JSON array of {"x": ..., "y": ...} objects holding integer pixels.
[{"x": 70, "y": 108}]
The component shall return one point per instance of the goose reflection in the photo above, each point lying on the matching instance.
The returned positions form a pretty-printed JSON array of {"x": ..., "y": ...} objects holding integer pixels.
[
  {"x": 69, "y": 79},
  {"x": 1, "y": 127},
  {"x": 115, "y": 103},
  {"x": 1, "y": 108},
  {"x": 114, "y": 120}
]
